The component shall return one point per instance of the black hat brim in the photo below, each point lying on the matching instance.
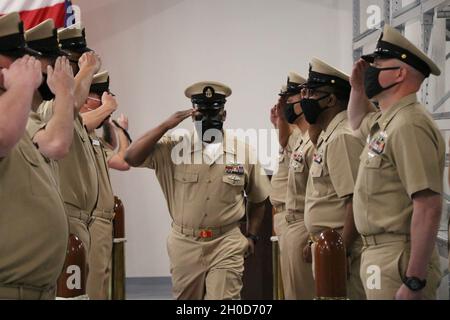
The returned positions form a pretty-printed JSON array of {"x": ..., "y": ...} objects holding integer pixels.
[
  {"x": 80, "y": 50},
  {"x": 56, "y": 54},
  {"x": 20, "y": 52},
  {"x": 370, "y": 58}
]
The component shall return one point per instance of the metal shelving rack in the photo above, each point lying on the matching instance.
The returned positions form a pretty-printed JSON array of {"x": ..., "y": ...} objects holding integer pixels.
[{"x": 434, "y": 19}]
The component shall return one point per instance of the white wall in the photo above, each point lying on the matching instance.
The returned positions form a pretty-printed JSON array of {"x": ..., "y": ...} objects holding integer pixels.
[{"x": 155, "y": 49}]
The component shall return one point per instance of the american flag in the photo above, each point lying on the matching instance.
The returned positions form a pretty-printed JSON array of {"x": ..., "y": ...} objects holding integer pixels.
[{"x": 34, "y": 12}]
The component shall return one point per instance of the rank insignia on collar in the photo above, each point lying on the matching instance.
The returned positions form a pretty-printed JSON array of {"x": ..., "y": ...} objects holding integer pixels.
[{"x": 237, "y": 169}]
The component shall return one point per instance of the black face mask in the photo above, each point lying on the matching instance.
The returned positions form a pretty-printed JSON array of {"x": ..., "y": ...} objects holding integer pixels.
[
  {"x": 289, "y": 112},
  {"x": 312, "y": 110},
  {"x": 209, "y": 120},
  {"x": 44, "y": 89},
  {"x": 372, "y": 84}
]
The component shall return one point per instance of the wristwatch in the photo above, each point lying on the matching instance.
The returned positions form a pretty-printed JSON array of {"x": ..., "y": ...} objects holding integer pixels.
[
  {"x": 414, "y": 284},
  {"x": 253, "y": 237},
  {"x": 125, "y": 132}
]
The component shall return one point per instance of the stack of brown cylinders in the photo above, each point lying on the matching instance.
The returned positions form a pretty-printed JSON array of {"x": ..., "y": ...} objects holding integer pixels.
[
  {"x": 72, "y": 281},
  {"x": 118, "y": 256},
  {"x": 330, "y": 266}
]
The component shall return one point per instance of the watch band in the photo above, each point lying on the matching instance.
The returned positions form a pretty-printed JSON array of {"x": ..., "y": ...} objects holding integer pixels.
[
  {"x": 414, "y": 283},
  {"x": 125, "y": 132}
]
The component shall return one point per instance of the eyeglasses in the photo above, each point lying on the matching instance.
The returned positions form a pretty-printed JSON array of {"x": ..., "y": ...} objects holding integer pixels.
[{"x": 94, "y": 99}]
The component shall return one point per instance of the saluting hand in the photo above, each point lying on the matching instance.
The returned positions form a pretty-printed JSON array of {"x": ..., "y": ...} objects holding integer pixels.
[
  {"x": 178, "y": 117},
  {"x": 274, "y": 116},
  {"x": 123, "y": 121},
  {"x": 357, "y": 77},
  {"x": 280, "y": 108},
  {"x": 60, "y": 79},
  {"x": 91, "y": 61},
  {"x": 109, "y": 102},
  {"x": 24, "y": 72}
]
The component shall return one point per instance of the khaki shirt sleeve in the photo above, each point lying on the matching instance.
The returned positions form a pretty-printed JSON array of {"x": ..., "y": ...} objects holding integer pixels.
[
  {"x": 258, "y": 186},
  {"x": 416, "y": 156},
  {"x": 161, "y": 155},
  {"x": 364, "y": 129},
  {"x": 343, "y": 162},
  {"x": 45, "y": 111},
  {"x": 293, "y": 138},
  {"x": 35, "y": 124}
]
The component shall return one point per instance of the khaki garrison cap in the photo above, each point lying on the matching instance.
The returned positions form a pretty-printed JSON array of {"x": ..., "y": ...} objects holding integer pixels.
[
  {"x": 12, "y": 39},
  {"x": 393, "y": 45},
  {"x": 44, "y": 38}
]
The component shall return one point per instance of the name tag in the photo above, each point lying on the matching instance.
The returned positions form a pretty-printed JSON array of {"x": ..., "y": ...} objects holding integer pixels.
[{"x": 96, "y": 143}]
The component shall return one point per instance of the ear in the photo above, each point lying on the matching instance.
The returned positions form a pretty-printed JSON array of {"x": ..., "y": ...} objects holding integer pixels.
[
  {"x": 402, "y": 73},
  {"x": 331, "y": 100},
  {"x": 224, "y": 116}
]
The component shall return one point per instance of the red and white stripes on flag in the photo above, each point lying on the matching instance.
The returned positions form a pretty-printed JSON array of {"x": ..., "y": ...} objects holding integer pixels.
[{"x": 34, "y": 12}]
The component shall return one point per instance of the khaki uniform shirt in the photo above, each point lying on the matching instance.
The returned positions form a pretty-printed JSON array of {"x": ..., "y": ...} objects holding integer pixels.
[
  {"x": 33, "y": 223},
  {"x": 405, "y": 154},
  {"x": 332, "y": 176},
  {"x": 202, "y": 195},
  {"x": 77, "y": 171},
  {"x": 300, "y": 164},
  {"x": 105, "y": 204},
  {"x": 280, "y": 178}
]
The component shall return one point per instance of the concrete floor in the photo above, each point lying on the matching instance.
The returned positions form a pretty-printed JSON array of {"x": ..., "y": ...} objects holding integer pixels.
[
  {"x": 149, "y": 289},
  {"x": 160, "y": 289}
]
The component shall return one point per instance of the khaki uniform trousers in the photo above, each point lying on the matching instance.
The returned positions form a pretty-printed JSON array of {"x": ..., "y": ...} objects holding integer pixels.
[
  {"x": 384, "y": 264},
  {"x": 26, "y": 293},
  {"x": 101, "y": 233},
  {"x": 355, "y": 289},
  {"x": 78, "y": 225},
  {"x": 297, "y": 275},
  {"x": 209, "y": 269}
]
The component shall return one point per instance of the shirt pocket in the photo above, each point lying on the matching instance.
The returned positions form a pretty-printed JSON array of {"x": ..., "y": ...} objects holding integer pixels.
[
  {"x": 298, "y": 167},
  {"x": 372, "y": 172},
  {"x": 186, "y": 184},
  {"x": 233, "y": 187},
  {"x": 373, "y": 162},
  {"x": 321, "y": 180}
]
